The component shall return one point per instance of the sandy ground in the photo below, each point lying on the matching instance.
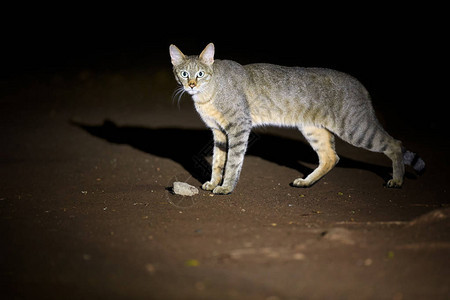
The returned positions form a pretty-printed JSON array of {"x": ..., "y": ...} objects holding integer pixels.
[{"x": 87, "y": 159}]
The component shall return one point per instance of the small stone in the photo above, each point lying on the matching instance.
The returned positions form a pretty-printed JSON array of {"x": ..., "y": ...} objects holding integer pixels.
[
  {"x": 368, "y": 262},
  {"x": 342, "y": 235},
  {"x": 150, "y": 268},
  {"x": 184, "y": 189},
  {"x": 298, "y": 256}
]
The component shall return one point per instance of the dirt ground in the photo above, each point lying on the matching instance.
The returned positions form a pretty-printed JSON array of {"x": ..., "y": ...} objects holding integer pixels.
[{"x": 87, "y": 161}]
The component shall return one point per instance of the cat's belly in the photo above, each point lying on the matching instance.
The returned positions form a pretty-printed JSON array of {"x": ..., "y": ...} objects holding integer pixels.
[
  {"x": 290, "y": 113},
  {"x": 276, "y": 109},
  {"x": 274, "y": 116}
]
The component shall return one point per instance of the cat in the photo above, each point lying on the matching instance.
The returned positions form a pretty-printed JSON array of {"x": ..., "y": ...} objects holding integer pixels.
[{"x": 232, "y": 98}]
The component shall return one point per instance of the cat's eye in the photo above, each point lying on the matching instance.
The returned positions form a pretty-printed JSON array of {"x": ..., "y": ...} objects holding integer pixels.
[
  {"x": 200, "y": 74},
  {"x": 184, "y": 74}
]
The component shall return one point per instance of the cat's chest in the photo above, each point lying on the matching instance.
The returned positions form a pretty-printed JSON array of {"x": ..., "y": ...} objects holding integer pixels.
[{"x": 211, "y": 115}]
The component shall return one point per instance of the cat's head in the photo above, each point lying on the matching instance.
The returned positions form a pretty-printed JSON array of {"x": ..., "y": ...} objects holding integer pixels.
[{"x": 193, "y": 72}]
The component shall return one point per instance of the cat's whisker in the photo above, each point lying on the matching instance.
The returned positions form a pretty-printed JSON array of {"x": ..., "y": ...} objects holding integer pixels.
[
  {"x": 178, "y": 93},
  {"x": 179, "y": 97},
  {"x": 175, "y": 93}
]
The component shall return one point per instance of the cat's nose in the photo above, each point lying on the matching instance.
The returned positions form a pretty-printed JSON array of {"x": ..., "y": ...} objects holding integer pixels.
[{"x": 192, "y": 84}]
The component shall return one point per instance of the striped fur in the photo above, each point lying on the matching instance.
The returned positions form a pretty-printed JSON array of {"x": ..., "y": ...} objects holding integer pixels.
[{"x": 232, "y": 98}]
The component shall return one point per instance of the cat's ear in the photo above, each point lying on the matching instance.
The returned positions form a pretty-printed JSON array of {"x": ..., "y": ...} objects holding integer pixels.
[
  {"x": 176, "y": 55},
  {"x": 207, "y": 55}
]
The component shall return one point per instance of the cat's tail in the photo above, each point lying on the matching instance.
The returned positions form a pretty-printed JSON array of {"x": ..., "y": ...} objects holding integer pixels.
[{"x": 413, "y": 160}]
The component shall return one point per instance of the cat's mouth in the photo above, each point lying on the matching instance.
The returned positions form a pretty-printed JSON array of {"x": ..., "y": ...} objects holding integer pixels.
[{"x": 191, "y": 91}]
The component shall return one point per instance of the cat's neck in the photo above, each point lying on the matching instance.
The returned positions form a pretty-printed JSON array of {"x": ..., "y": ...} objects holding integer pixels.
[
  {"x": 205, "y": 96},
  {"x": 201, "y": 99}
]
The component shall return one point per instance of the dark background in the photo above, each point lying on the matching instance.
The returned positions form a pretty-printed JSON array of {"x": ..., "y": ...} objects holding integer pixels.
[
  {"x": 91, "y": 140},
  {"x": 396, "y": 52}
]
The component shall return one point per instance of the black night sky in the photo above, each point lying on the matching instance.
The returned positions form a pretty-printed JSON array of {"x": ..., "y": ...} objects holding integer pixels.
[{"x": 394, "y": 52}]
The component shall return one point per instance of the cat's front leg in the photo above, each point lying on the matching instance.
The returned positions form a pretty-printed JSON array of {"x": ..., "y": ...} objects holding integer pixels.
[
  {"x": 237, "y": 145},
  {"x": 218, "y": 163}
]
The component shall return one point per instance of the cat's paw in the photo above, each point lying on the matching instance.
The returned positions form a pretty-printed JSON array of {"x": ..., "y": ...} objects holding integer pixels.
[
  {"x": 394, "y": 183},
  {"x": 300, "y": 182},
  {"x": 223, "y": 190},
  {"x": 208, "y": 186}
]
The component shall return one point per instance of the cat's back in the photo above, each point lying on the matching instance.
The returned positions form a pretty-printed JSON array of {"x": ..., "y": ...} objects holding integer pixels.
[
  {"x": 278, "y": 74},
  {"x": 305, "y": 83},
  {"x": 293, "y": 95},
  {"x": 263, "y": 75}
]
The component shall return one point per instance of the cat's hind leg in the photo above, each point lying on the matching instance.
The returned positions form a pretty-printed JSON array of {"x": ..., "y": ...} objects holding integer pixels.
[
  {"x": 322, "y": 141},
  {"x": 365, "y": 132},
  {"x": 394, "y": 152}
]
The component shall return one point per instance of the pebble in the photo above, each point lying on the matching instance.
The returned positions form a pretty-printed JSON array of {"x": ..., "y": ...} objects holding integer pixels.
[
  {"x": 184, "y": 189},
  {"x": 338, "y": 234}
]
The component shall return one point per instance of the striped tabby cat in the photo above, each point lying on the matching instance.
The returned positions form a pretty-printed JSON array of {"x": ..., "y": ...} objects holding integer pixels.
[{"x": 232, "y": 98}]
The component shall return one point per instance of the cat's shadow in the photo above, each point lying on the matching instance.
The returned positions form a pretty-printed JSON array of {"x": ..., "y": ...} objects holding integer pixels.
[{"x": 190, "y": 147}]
